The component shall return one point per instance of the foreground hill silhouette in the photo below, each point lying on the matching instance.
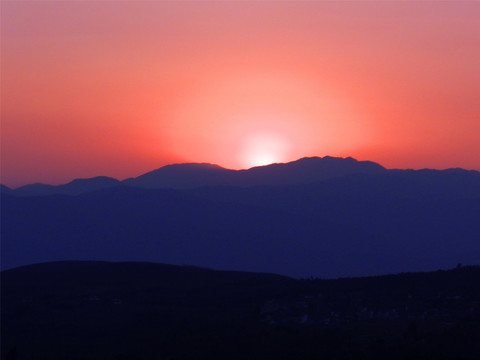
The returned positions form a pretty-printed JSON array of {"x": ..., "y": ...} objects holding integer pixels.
[
  {"x": 99, "y": 310},
  {"x": 325, "y": 217}
]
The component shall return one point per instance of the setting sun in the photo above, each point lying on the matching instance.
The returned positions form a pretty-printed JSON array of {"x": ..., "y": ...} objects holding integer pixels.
[
  {"x": 263, "y": 149},
  {"x": 120, "y": 88}
]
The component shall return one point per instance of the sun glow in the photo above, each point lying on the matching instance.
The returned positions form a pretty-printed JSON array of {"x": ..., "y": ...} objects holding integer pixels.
[
  {"x": 254, "y": 118},
  {"x": 262, "y": 149}
]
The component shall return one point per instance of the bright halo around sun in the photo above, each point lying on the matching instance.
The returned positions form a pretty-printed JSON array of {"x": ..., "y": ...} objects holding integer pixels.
[{"x": 263, "y": 149}]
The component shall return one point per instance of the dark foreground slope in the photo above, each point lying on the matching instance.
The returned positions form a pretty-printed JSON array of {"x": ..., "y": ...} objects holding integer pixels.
[{"x": 98, "y": 310}]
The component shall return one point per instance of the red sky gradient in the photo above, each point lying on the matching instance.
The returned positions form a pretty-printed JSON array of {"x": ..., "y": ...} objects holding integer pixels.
[{"x": 120, "y": 88}]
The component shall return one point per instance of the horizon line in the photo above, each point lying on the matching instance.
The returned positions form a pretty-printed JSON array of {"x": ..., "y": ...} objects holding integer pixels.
[{"x": 230, "y": 169}]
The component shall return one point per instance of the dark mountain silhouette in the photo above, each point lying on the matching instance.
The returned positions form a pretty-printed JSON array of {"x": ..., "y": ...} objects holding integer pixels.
[
  {"x": 188, "y": 176},
  {"x": 376, "y": 222},
  {"x": 181, "y": 176},
  {"x": 305, "y": 170},
  {"x": 75, "y": 187},
  {"x": 134, "y": 310}
]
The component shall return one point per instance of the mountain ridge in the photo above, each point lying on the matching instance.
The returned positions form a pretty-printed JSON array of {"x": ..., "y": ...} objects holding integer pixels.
[
  {"x": 362, "y": 219},
  {"x": 194, "y": 175},
  {"x": 74, "y": 187}
]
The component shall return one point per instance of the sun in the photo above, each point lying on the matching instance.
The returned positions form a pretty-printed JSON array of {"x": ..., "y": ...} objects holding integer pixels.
[{"x": 261, "y": 149}]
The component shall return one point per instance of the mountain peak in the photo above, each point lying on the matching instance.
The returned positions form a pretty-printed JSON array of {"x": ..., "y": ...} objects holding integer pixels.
[
  {"x": 192, "y": 166},
  {"x": 96, "y": 180},
  {"x": 304, "y": 170}
]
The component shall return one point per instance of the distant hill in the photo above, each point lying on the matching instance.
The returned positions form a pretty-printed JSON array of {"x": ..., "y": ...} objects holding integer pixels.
[
  {"x": 182, "y": 176},
  {"x": 75, "y": 187},
  {"x": 134, "y": 310}
]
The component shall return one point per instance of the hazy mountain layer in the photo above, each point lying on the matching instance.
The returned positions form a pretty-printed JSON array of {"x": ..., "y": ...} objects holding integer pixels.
[
  {"x": 360, "y": 224},
  {"x": 75, "y": 187}
]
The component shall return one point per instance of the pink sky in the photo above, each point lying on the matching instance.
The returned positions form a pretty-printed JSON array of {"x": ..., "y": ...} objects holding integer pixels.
[{"x": 120, "y": 88}]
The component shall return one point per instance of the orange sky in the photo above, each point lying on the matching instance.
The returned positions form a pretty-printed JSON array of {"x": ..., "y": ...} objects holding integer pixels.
[{"x": 120, "y": 88}]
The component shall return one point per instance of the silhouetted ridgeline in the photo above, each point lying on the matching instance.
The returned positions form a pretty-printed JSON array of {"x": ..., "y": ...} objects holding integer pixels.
[
  {"x": 306, "y": 170},
  {"x": 99, "y": 310},
  {"x": 75, "y": 187},
  {"x": 325, "y": 217},
  {"x": 188, "y": 176}
]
